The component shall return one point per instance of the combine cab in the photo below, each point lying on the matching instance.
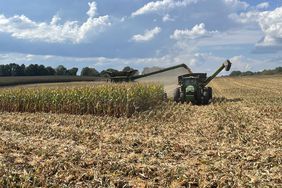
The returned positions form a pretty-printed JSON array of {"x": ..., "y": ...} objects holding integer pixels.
[{"x": 192, "y": 87}]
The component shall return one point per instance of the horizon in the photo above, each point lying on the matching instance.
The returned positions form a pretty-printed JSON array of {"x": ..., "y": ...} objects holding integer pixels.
[{"x": 143, "y": 33}]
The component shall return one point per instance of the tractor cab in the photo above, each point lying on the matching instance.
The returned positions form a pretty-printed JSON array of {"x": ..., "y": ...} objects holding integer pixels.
[
  {"x": 191, "y": 86},
  {"x": 192, "y": 79},
  {"x": 189, "y": 81}
]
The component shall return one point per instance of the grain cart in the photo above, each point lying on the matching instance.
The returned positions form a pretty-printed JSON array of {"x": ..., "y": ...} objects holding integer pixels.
[{"x": 193, "y": 87}]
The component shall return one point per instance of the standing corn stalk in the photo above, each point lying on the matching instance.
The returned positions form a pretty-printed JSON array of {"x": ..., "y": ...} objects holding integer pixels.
[{"x": 108, "y": 99}]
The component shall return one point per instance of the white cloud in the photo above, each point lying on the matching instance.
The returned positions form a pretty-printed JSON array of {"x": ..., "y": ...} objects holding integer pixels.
[
  {"x": 245, "y": 17},
  {"x": 92, "y": 9},
  {"x": 147, "y": 36},
  {"x": 242, "y": 63},
  {"x": 263, "y": 5},
  {"x": 167, "y": 18},
  {"x": 196, "y": 32},
  {"x": 162, "y": 5},
  {"x": 21, "y": 27},
  {"x": 270, "y": 22},
  {"x": 237, "y": 4}
]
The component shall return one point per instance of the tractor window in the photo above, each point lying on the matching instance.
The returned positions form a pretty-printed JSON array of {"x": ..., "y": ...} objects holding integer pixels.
[{"x": 189, "y": 81}]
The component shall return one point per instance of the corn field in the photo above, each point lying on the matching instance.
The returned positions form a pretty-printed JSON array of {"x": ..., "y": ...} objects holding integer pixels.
[
  {"x": 105, "y": 99},
  {"x": 234, "y": 142}
]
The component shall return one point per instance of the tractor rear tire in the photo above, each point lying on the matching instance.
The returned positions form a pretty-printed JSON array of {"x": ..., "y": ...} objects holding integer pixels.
[{"x": 176, "y": 95}]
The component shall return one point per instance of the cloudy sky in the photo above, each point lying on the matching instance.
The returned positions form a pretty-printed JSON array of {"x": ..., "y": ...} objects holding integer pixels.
[{"x": 142, "y": 33}]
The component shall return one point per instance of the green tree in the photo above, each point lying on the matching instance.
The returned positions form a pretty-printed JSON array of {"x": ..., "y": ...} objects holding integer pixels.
[
  {"x": 72, "y": 71},
  {"x": 236, "y": 73},
  {"x": 86, "y": 71},
  {"x": 278, "y": 70},
  {"x": 61, "y": 70},
  {"x": 50, "y": 71},
  {"x": 16, "y": 70},
  {"x": 5, "y": 70},
  {"x": 32, "y": 70},
  {"x": 42, "y": 71},
  {"x": 22, "y": 70},
  {"x": 248, "y": 73}
]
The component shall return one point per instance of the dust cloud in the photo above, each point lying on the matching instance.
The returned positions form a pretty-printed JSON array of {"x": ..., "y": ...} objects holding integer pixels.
[{"x": 168, "y": 78}]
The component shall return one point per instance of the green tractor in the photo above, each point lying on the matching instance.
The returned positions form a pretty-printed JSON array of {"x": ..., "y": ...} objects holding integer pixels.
[{"x": 193, "y": 87}]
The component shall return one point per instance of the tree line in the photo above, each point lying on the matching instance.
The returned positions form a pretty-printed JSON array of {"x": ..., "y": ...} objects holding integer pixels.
[
  {"x": 277, "y": 70},
  {"x": 14, "y": 69}
]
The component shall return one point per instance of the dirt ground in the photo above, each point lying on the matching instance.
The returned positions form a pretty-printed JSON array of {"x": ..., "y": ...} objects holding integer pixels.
[{"x": 234, "y": 142}]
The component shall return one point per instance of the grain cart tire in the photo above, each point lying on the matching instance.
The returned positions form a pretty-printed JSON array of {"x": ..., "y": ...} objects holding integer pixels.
[
  {"x": 176, "y": 95},
  {"x": 206, "y": 96},
  {"x": 198, "y": 98},
  {"x": 210, "y": 94}
]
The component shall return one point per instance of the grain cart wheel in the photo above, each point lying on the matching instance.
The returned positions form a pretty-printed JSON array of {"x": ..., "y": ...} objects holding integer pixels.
[
  {"x": 176, "y": 95},
  {"x": 198, "y": 97},
  {"x": 210, "y": 94},
  {"x": 206, "y": 96}
]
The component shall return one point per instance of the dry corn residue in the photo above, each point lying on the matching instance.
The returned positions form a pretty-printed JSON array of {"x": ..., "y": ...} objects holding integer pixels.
[{"x": 234, "y": 142}]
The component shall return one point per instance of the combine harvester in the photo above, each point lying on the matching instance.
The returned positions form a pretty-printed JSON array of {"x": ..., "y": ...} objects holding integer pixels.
[{"x": 192, "y": 86}]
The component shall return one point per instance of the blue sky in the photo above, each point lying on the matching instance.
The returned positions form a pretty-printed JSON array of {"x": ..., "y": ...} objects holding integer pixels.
[{"x": 142, "y": 33}]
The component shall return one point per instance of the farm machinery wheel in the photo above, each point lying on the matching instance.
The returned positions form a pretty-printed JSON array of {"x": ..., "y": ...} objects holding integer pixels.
[
  {"x": 176, "y": 95},
  {"x": 206, "y": 96}
]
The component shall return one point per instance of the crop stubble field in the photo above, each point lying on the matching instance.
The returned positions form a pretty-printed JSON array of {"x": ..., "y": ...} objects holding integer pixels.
[{"x": 234, "y": 142}]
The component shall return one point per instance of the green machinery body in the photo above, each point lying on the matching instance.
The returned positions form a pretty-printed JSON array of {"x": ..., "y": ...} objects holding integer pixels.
[{"x": 193, "y": 87}]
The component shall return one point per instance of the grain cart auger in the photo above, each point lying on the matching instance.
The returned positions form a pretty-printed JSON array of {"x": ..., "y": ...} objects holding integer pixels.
[{"x": 192, "y": 87}]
